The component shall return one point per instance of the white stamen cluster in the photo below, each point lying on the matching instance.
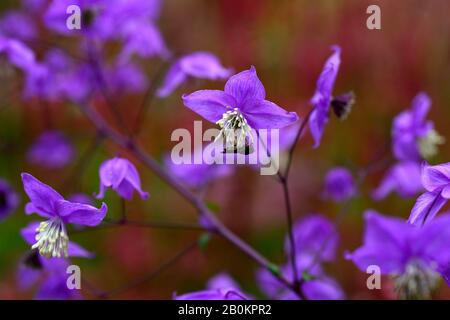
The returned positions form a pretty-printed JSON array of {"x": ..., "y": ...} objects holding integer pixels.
[
  {"x": 236, "y": 132},
  {"x": 428, "y": 145},
  {"x": 51, "y": 239},
  {"x": 417, "y": 282}
]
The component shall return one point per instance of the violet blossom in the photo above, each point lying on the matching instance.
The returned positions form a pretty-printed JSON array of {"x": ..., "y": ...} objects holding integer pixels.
[
  {"x": 339, "y": 185},
  {"x": 202, "y": 65},
  {"x": 51, "y": 150},
  {"x": 316, "y": 241},
  {"x": 51, "y": 236},
  {"x": 9, "y": 199},
  {"x": 238, "y": 109},
  {"x": 404, "y": 178},
  {"x": 414, "y": 256},
  {"x": 414, "y": 137},
  {"x": 122, "y": 176},
  {"x": 323, "y": 97},
  {"x": 436, "y": 181}
]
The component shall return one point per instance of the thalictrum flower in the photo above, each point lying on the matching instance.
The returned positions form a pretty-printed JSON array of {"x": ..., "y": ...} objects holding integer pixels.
[
  {"x": 51, "y": 235},
  {"x": 51, "y": 150},
  {"x": 122, "y": 176},
  {"x": 323, "y": 97},
  {"x": 339, "y": 184},
  {"x": 9, "y": 200},
  {"x": 414, "y": 256},
  {"x": 220, "y": 287},
  {"x": 404, "y": 178},
  {"x": 238, "y": 109},
  {"x": 51, "y": 273},
  {"x": 316, "y": 241},
  {"x": 413, "y": 136},
  {"x": 202, "y": 65},
  {"x": 436, "y": 181}
]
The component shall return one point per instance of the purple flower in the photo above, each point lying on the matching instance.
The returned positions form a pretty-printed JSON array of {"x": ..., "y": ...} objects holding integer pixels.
[
  {"x": 203, "y": 65},
  {"x": 51, "y": 150},
  {"x": 122, "y": 176},
  {"x": 339, "y": 184},
  {"x": 323, "y": 99},
  {"x": 404, "y": 178},
  {"x": 198, "y": 175},
  {"x": 51, "y": 235},
  {"x": 17, "y": 24},
  {"x": 220, "y": 287},
  {"x": 316, "y": 240},
  {"x": 413, "y": 136},
  {"x": 238, "y": 109},
  {"x": 414, "y": 255},
  {"x": 436, "y": 181},
  {"x": 9, "y": 200},
  {"x": 18, "y": 54}
]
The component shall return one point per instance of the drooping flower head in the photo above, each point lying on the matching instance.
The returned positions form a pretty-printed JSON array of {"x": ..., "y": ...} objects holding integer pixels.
[
  {"x": 323, "y": 97},
  {"x": 339, "y": 184},
  {"x": 51, "y": 236},
  {"x": 122, "y": 176},
  {"x": 316, "y": 241},
  {"x": 414, "y": 256},
  {"x": 9, "y": 200},
  {"x": 404, "y": 178},
  {"x": 202, "y": 65},
  {"x": 238, "y": 109},
  {"x": 436, "y": 181},
  {"x": 413, "y": 136},
  {"x": 50, "y": 273},
  {"x": 220, "y": 287},
  {"x": 51, "y": 150}
]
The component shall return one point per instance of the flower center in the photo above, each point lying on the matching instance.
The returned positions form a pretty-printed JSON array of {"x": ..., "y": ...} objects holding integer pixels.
[
  {"x": 51, "y": 239},
  {"x": 236, "y": 132},
  {"x": 428, "y": 145},
  {"x": 417, "y": 282}
]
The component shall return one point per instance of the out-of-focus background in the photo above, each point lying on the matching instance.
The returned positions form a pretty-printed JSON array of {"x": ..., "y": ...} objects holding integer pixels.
[{"x": 288, "y": 42}]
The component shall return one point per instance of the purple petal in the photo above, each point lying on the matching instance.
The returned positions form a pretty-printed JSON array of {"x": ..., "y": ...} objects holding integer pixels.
[
  {"x": 222, "y": 281},
  {"x": 434, "y": 177},
  {"x": 174, "y": 77},
  {"x": 133, "y": 178},
  {"x": 323, "y": 289},
  {"x": 221, "y": 294},
  {"x": 82, "y": 214},
  {"x": 339, "y": 184},
  {"x": 210, "y": 104},
  {"x": 245, "y": 86},
  {"x": 317, "y": 122},
  {"x": 426, "y": 207},
  {"x": 42, "y": 196},
  {"x": 384, "y": 244},
  {"x": 264, "y": 114},
  {"x": 420, "y": 107},
  {"x": 204, "y": 65}
]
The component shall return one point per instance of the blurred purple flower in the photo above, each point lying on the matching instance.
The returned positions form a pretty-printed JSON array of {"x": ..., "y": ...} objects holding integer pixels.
[
  {"x": 18, "y": 24},
  {"x": 122, "y": 176},
  {"x": 339, "y": 184},
  {"x": 50, "y": 272},
  {"x": 198, "y": 175},
  {"x": 18, "y": 54},
  {"x": 51, "y": 235},
  {"x": 9, "y": 199},
  {"x": 323, "y": 99},
  {"x": 316, "y": 240},
  {"x": 125, "y": 78},
  {"x": 238, "y": 109},
  {"x": 220, "y": 287},
  {"x": 413, "y": 136},
  {"x": 51, "y": 150},
  {"x": 404, "y": 178},
  {"x": 203, "y": 65},
  {"x": 436, "y": 181},
  {"x": 415, "y": 255}
]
